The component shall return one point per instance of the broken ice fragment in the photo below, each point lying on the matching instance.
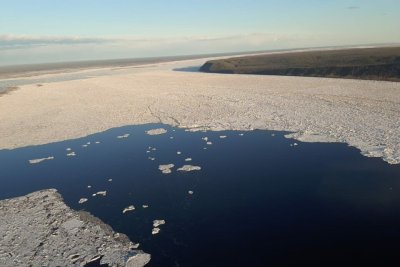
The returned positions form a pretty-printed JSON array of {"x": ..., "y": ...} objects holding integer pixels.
[
  {"x": 130, "y": 208},
  {"x": 165, "y": 169},
  {"x": 35, "y": 161},
  {"x": 100, "y": 193},
  {"x": 188, "y": 168},
  {"x": 82, "y": 200},
  {"x": 155, "y": 231},
  {"x": 157, "y": 223}
]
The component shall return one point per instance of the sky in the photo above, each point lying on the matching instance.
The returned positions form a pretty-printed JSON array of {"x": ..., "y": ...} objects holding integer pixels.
[{"x": 38, "y": 31}]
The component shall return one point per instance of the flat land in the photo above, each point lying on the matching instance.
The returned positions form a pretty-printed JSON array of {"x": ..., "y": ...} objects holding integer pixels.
[
  {"x": 361, "y": 113},
  {"x": 382, "y": 63}
]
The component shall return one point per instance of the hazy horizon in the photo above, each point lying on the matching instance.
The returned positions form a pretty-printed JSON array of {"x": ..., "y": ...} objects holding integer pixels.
[{"x": 70, "y": 31}]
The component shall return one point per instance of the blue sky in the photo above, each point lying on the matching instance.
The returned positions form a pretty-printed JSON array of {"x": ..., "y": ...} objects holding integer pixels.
[{"x": 33, "y": 31}]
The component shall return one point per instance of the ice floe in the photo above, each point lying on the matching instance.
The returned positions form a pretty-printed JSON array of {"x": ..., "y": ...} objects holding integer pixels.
[
  {"x": 189, "y": 168},
  {"x": 82, "y": 200},
  {"x": 190, "y": 192},
  {"x": 188, "y": 159},
  {"x": 36, "y": 161},
  {"x": 157, "y": 223},
  {"x": 123, "y": 136},
  {"x": 155, "y": 231},
  {"x": 166, "y": 168},
  {"x": 157, "y": 131},
  {"x": 71, "y": 154},
  {"x": 145, "y": 206},
  {"x": 127, "y": 209},
  {"x": 100, "y": 193},
  {"x": 223, "y": 136}
]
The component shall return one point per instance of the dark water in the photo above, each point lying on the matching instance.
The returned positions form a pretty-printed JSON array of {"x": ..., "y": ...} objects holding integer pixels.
[{"x": 258, "y": 201}]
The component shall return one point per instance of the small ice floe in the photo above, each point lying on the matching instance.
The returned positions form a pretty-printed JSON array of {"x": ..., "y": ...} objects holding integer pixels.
[
  {"x": 36, "y": 161},
  {"x": 171, "y": 137},
  {"x": 135, "y": 246},
  {"x": 189, "y": 168},
  {"x": 88, "y": 143},
  {"x": 100, "y": 193},
  {"x": 152, "y": 159},
  {"x": 127, "y": 209},
  {"x": 205, "y": 139},
  {"x": 68, "y": 149},
  {"x": 178, "y": 152},
  {"x": 272, "y": 134},
  {"x": 155, "y": 231},
  {"x": 71, "y": 154},
  {"x": 145, "y": 206},
  {"x": 188, "y": 159},
  {"x": 154, "y": 149},
  {"x": 223, "y": 136},
  {"x": 148, "y": 151},
  {"x": 110, "y": 180},
  {"x": 89, "y": 186},
  {"x": 85, "y": 145},
  {"x": 157, "y": 223},
  {"x": 190, "y": 192},
  {"x": 204, "y": 148},
  {"x": 295, "y": 144},
  {"x": 241, "y": 134},
  {"x": 82, "y": 200},
  {"x": 166, "y": 168},
  {"x": 209, "y": 143},
  {"x": 156, "y": 131},
  {"x": 97, "y": 142},
  {"x": 123, "y": 136}
]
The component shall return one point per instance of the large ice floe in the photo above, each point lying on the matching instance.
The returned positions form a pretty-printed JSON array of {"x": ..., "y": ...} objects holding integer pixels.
[
  {"x": 40, "y": 230},
  {"x": 363, "y": 114}
]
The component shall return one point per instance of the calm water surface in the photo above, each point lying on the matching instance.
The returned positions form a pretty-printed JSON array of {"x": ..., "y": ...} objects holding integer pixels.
[{"x": 258, "y": 200}]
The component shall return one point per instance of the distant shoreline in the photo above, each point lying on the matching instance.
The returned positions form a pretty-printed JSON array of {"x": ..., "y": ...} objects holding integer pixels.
[
  {"x": 376, "y": 63},
  {"x": 29, "y": 70}
]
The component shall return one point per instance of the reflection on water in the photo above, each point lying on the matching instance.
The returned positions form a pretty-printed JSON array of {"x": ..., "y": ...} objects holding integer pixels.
[{"x": 257, "y": 200}]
